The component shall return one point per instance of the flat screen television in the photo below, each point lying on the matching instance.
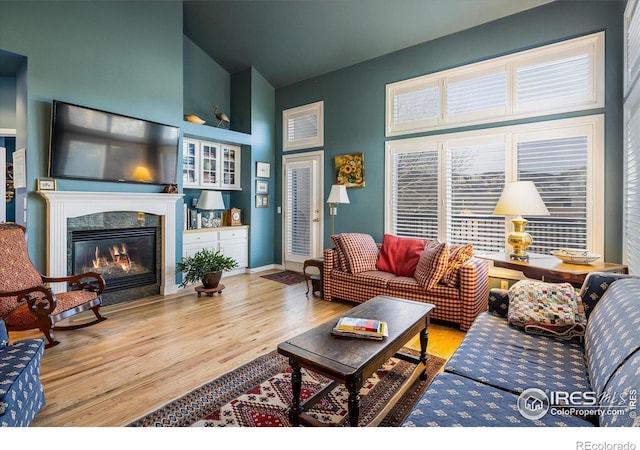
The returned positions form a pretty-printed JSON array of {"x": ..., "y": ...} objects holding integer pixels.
[{"x": 90, "y": 144}]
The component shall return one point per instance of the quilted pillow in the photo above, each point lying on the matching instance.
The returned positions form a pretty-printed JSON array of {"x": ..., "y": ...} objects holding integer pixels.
[
  {"x": 458, "y": 255},
  {"x": 546, "y": 308},
  {"x": 432, "y": 264},
  {"x": 399, "y": 255},
  {"x": 360, "y": 251}
]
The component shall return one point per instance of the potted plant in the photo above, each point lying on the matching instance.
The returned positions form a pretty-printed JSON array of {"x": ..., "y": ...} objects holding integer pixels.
[{"x": 205, "y": 266}]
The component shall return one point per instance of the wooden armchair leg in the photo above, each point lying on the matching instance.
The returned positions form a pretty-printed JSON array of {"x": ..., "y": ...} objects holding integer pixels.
[{"x": 48, "y": 333}]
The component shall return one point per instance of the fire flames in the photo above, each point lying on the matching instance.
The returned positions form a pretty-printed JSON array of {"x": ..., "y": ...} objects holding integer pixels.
[{"x": 118, "y": 257}]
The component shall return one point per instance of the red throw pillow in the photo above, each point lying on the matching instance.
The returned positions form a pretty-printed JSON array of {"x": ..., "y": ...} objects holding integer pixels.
[{"x": 399, "y": 255}]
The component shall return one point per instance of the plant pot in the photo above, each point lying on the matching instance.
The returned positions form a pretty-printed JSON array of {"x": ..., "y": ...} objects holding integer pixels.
[{"x": 211, "y": 280}]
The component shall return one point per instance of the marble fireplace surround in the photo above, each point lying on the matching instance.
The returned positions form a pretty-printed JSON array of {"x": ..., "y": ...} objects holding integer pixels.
[{"x": 62, "y": 205}]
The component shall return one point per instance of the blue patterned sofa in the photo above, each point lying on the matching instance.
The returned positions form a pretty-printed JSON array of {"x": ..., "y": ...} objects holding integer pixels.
[
  {"x": 499, "y": 370},
  {"x": 21, "y": 393}
]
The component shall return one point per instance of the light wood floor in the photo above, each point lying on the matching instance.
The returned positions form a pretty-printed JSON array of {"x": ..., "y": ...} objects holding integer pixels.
[{"x": 155, "y": 349}]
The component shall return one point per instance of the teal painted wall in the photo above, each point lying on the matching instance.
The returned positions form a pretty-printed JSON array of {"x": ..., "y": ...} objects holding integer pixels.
[
  {"x": 8, "y": 102},
  {"x": 206, "y": 84},
  {"x": 124, "y": 56},
  {"x": 354, "y": 102},
  {"x": 253, "y": 106}
]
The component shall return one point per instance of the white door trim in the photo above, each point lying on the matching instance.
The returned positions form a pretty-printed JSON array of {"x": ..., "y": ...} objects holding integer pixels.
[{"x": 318, "y": 156}]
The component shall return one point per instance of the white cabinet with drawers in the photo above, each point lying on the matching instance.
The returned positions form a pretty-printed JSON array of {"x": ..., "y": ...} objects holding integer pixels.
[{"x": 231, "y": 241}]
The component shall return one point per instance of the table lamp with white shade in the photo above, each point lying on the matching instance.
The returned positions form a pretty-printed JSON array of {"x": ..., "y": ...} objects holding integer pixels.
[
  {"x": 211, "y": 201},
  {"x": 338, "y": 195},
  {"x": 520, "y": 198}
]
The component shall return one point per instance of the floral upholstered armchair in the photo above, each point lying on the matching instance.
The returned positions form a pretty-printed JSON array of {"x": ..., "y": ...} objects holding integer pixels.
[{"x": 27, "y": 302}]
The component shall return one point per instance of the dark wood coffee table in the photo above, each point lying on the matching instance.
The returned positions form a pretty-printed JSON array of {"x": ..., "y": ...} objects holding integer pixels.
[{"x": 350, "y": 361}]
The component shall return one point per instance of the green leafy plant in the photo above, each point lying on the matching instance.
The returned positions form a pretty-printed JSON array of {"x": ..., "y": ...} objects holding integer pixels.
[{"x": 195, "y": 268}]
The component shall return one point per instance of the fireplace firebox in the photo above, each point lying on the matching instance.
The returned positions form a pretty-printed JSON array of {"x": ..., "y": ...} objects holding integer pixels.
[{"x": 126, "y": 258}]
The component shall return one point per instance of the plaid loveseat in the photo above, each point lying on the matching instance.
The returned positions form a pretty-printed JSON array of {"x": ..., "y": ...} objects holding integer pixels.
[
  {"x": 492, "y": 378},
  {"x": 21, "y": 393},
  {"x": 458, "y": 301}
]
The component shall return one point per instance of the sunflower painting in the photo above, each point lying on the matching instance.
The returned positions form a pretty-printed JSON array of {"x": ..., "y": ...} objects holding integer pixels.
[{"x": 350, "y": 169}]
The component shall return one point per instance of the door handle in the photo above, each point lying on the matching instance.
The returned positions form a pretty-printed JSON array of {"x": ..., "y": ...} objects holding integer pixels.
[{"x": 317, "y": 216}]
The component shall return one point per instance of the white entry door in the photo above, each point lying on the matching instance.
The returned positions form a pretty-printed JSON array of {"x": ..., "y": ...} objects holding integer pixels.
[{"x": 303, "y": 212}]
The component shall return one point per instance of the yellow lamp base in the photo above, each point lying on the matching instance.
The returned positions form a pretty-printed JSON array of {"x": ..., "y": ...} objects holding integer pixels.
[{"x": 519, "y": 240}]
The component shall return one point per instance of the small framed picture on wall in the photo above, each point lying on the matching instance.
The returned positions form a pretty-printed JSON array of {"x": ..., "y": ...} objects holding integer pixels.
[
  {"x": 262, "y": 201},
  {"x": 263, "y": 169},
  {"x": 262, "y": 187},
  {"x": 46, "y": 184}
]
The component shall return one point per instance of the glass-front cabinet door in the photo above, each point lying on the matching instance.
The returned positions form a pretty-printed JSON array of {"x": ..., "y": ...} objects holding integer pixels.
[
  {"x": 230, "y": 167},
  {"x": 209, "y": 164},
  {"x": 190, "y": 163}
]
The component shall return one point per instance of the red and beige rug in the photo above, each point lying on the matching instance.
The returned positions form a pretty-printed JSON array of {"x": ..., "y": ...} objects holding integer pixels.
[
  {"x": 286, "y": 277},
  {"x": 258, "y": 394}
]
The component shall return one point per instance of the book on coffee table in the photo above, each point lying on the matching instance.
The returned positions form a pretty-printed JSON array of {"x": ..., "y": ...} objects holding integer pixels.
[{"x": 360, "y": 328}]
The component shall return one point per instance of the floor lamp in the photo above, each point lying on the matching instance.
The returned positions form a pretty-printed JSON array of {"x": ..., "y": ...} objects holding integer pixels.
[{"x": 337, "y": 195}]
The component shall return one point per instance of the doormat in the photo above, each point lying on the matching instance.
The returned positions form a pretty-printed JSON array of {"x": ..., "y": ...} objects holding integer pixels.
[
  {"x": 258, "y": 394},
  {"x": 287, "y": 277}
]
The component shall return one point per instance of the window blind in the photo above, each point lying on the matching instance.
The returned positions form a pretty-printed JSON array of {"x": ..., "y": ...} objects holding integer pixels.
[
  {"x": 558, "y": 168},
  {"x": 632, "y": 185},
  {"x": 554, "y": 79},
  {"x": 557, "y": 78},
  {"x": 416, "y": 105},
  {"x": 415, "y": 194},
  {"x": 477, "y": 94},
  {"x": 631, "y": 45},
  {"x": 475, "y": 180},
  {"x": 303, "y": 127},
  {"x": 299, "y": 204}
]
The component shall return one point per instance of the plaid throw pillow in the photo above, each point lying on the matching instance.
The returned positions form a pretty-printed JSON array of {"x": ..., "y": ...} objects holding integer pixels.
[
  {"x": 342, "y": 259},
  {"x": 458, "y": 255},
  {"x": 432, "y": 264},
  {"x": 360, "y": 251}
]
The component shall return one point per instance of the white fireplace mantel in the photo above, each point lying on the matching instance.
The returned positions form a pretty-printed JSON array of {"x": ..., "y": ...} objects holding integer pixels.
[{"x": 61, "y": 205}]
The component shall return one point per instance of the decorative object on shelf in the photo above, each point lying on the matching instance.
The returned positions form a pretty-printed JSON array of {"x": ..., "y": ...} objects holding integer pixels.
[
  {"x": 263, "y": 169},
  {"x": 205, "y": 266},
  {"x": 572, "y": 256},
  {"x": 520, "y": 198},
  {"x": 262, "y": 187},
  {"x": 233, "y": 217},
  {"x": 170, "y": 189},
  {"x": 262, "y": 201},
  {"x": 45, "y": 184},
  {"x": 350, "y": 170},
  {"x": 222, "y": 118},
  {"x": 338, "y": 195},
  {"x": 210, "y": 201},
  {"x": 9, "y": 183},
  {"x": 194, "y": 119}
]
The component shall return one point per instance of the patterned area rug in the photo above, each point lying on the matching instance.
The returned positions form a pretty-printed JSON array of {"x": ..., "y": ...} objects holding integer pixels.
[
  {"x": 258, "y": 394},
  {"x": 286, "y": 277}
]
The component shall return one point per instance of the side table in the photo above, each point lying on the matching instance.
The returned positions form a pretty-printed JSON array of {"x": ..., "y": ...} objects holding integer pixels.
[
  {"x": 316, "y": 279},
  {"x": 551, "y": 269}
]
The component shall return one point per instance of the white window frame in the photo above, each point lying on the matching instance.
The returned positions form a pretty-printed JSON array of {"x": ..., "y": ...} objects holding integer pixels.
[
  {"x": 592, "y": 126},
  {"x": 592, "y": 44},
  {"x": 310, "y": 109}
]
